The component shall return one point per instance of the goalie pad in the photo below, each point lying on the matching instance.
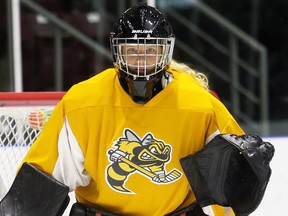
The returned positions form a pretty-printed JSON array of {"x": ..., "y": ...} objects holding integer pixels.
[
  {"x": 34, "y": 193},
  {"x": 230, "y": 171}
]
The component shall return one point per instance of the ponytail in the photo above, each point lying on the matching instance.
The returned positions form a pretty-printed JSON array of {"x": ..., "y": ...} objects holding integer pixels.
[{"x": 200, "y": 77}]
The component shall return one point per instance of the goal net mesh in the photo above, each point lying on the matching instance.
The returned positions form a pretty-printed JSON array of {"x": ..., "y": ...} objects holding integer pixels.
[{"x": 22, "y": 116}]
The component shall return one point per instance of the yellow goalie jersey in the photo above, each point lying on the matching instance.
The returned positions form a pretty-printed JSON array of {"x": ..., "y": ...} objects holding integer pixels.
[{"x": 124, "y": 157}]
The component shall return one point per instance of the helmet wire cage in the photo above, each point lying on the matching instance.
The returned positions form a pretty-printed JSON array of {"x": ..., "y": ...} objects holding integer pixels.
[{"x": 142, "y": 57}]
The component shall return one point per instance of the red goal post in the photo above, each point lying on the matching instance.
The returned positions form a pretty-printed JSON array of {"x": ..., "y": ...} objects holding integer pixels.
[
  {"x": 29, "y": 98},
  {"x": 22, "y": 116}
]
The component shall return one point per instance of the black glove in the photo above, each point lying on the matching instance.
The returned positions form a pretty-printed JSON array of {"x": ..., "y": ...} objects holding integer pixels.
[
  {"x": 230, "y": 171},
  {"x": 257, "y": 152}
]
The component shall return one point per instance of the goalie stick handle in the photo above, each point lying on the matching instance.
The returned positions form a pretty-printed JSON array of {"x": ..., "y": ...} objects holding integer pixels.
[
  {"x": 174, "y": 174},
  {"x": 137, "y": 167},
  {"x": 146, "y": 172}
]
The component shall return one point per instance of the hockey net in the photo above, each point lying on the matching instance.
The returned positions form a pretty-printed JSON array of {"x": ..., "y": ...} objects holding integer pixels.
[{"x": 22, "y": 117}]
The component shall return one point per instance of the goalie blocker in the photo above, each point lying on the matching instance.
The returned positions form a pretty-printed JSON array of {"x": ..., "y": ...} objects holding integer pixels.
[
  {"x": 230, "y": 171},
  {"x": 32, "y": 193}
]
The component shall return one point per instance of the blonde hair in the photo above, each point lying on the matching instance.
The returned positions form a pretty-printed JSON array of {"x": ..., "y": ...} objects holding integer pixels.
[{"x": 200, "y": 77}]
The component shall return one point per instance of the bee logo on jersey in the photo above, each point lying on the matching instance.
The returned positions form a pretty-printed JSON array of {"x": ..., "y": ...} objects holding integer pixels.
[{"x": 147, "y": 156}]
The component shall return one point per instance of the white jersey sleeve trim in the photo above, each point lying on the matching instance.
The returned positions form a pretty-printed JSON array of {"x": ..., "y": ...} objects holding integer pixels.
[
  {"x": 208, "y": 210},
  {"x": 69, "y": 168},
  {"x": 212, "y": 136},
  {"x": 228, "y": 211}
]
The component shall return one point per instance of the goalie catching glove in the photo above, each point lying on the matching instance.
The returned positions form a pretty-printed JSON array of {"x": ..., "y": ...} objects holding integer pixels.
[{"x": 230, "y": 171}]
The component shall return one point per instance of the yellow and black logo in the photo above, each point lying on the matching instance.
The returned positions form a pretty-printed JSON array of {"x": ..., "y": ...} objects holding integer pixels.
[{"x": 147, "y": 156}]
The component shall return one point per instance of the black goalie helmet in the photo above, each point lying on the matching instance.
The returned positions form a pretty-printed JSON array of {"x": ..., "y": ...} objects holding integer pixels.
[{"x": 142, "y": 43}]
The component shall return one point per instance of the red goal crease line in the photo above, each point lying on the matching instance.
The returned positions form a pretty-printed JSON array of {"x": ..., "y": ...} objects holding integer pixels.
[{"x": 29, "y": 98}]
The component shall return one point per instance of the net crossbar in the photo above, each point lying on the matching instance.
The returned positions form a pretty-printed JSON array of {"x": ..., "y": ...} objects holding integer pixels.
[{"x": 18, "y": 130}]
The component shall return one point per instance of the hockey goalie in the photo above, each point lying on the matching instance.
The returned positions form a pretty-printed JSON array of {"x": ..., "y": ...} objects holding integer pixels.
[{"x": 144, "y": 138}]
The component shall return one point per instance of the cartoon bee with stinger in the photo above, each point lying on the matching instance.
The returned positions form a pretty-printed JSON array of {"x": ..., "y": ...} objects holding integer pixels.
[{"x": 147, "y": 156}]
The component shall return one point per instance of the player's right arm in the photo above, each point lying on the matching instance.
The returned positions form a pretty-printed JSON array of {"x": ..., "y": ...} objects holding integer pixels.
[
  {"x": 57, "y": 152},
  {"x": 53, "y": 166}
]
